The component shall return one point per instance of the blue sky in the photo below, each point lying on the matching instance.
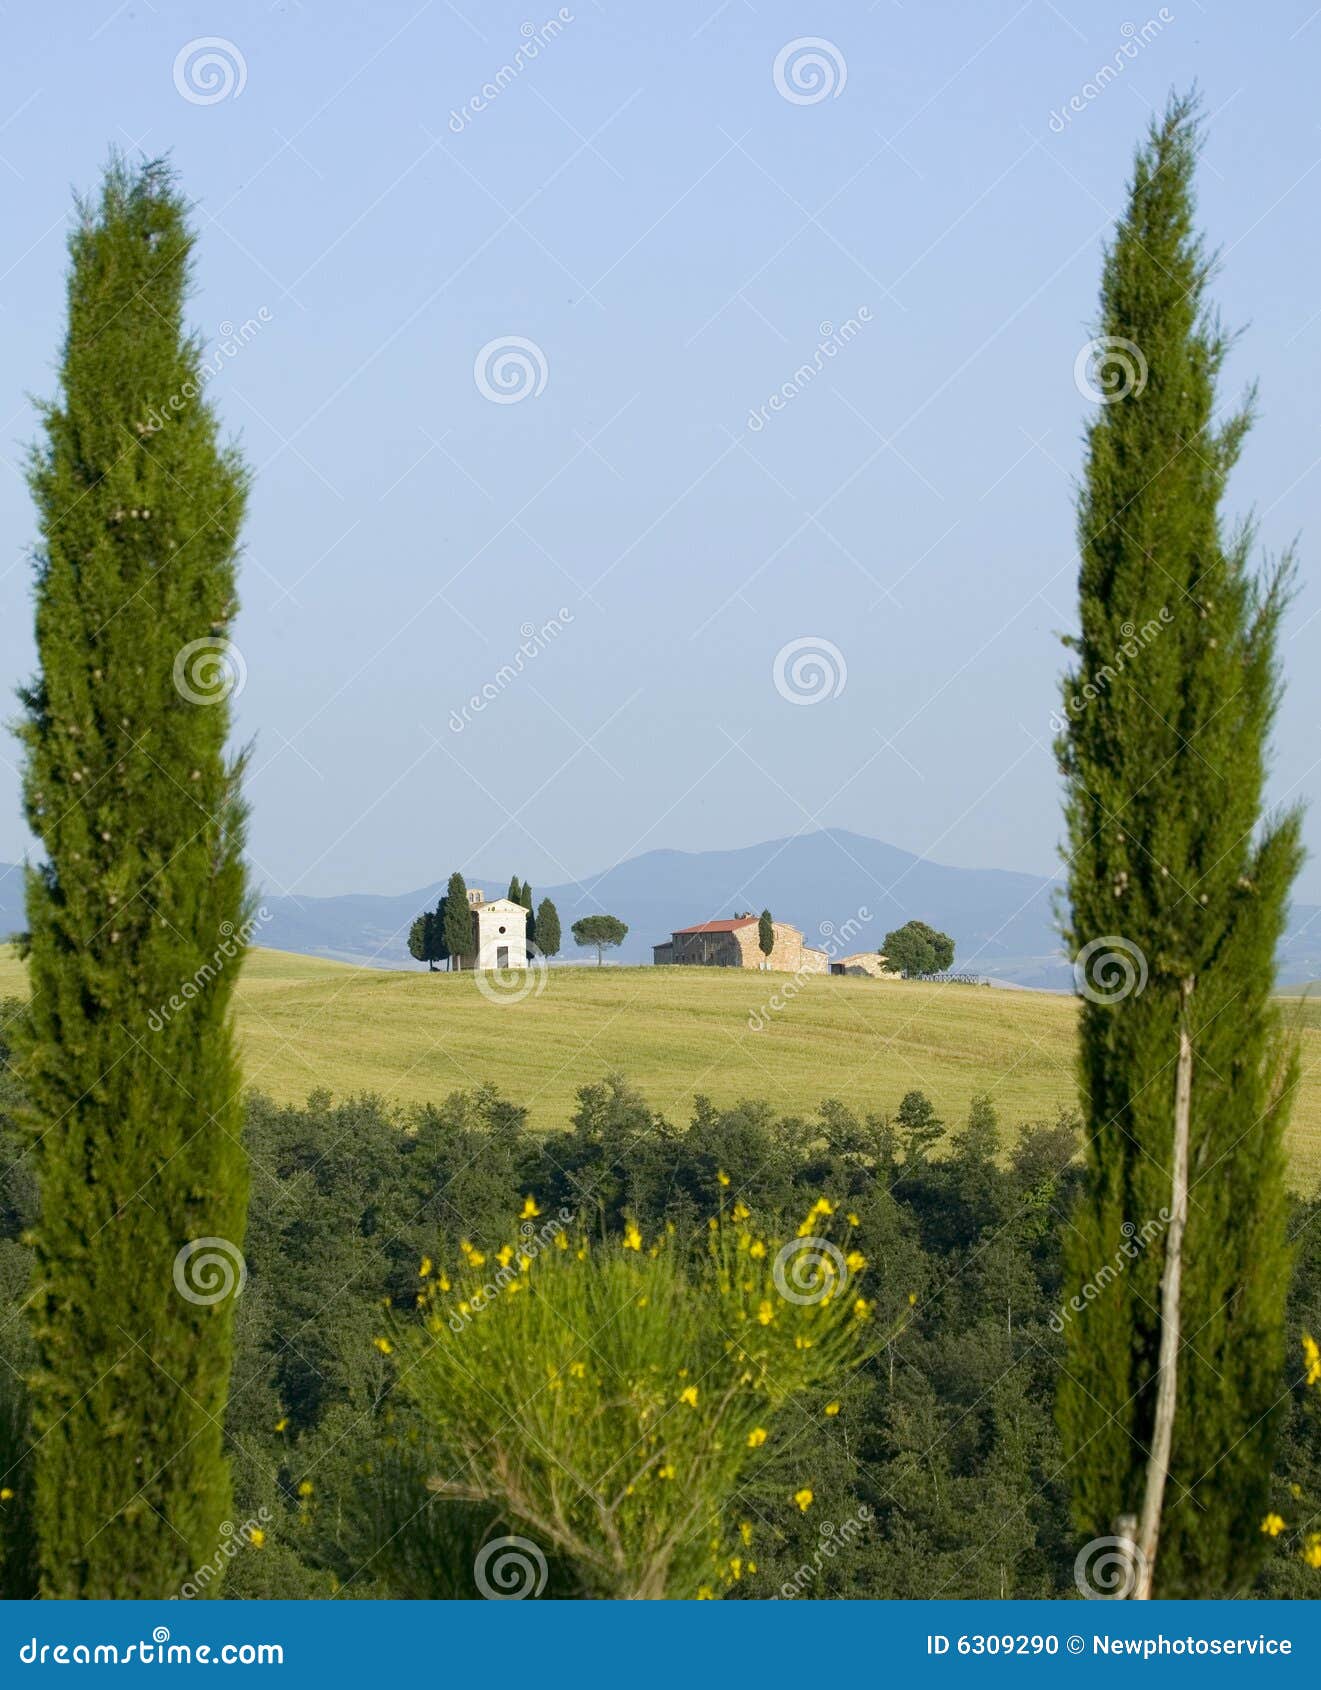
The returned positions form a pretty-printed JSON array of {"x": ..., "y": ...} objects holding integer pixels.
[{"x": 666, "y": 238}]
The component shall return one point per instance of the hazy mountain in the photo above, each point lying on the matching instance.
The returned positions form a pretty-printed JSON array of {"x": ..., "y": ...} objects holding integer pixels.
[{"x": 1002, "y": 922}]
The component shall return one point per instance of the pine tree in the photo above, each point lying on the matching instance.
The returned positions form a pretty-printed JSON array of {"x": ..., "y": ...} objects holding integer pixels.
[
  {"x": 548, "y": 929},
  {"x": 458, "y": 921},
  {"x": 1178, "y": 895},
  {"x": 600, "y": 933},
  {"x": 139, "y": 919}
]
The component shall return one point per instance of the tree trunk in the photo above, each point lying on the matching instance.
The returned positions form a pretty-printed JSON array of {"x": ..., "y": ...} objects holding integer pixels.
[{"x": 1167, "y": 1375}]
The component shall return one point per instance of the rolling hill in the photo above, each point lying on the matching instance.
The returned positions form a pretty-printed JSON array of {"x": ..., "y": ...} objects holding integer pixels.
[{"x": 414, "y": 1037}]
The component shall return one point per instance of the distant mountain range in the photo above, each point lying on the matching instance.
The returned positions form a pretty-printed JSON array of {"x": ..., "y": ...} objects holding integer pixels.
[{"x": 1002, "y": 922}]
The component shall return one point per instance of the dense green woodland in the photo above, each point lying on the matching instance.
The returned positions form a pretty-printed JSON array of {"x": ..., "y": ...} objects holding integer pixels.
[{"x": 947, "y": 1438}]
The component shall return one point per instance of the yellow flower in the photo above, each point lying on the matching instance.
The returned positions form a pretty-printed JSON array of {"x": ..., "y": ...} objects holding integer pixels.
[
  {"x": 666, "y": 1472},
  {"x": 424, "y": 1270},
  {"x": 912, "y": 1298},
  {"x": 765, "y": 1313},
  {"x": 1312, "y": 1356},
  {"x": 1272, "y": 1525},
  {"x": 722, "y": 1176},
  {"x": 504, "y": 1255},
  {"x": 757, "y": 1249},
  {"x": 529, "y": 1211},
  {"x": 862, "y": 1308},
  {"x": 1312, "y": 1550},
  {"x": 855, "y": 1261},
  {"x": 741, "y": 1211},
  {"x": 6, "y": 1495},
  {"x": 306, "y": 1488},
  {"x": 383, "y": 1345},
  {"x": 832, "y": 1409},
  {"x": 578, "y": 1369},
  {"x": 756, "y": 1437},
  {"x": 561, "y": 1242},
  {"x": 803, "y": 1498},
  {"x": 736, "y": 1567},
  {"x": 853, "y": 1219},
  {"x": 689, "y": 1395},
  {"x": 256, "y": 1537},
  {"x": 444, "y": 1282},
  {"x": 281, "y": 1423},
  {"x": 705, "y": 1593},
  {"x": 632, "y": 1237},
  {"x": 581, "y": 1255},
  {"x": 745, "y": 1532},
  {"x": 823, "y": 1206}
]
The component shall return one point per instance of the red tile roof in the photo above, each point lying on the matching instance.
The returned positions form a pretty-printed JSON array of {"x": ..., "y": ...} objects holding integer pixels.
[{"x": 719, "y": 926}]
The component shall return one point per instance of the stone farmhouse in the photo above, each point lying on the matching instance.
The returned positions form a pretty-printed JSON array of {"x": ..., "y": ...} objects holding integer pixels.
[
  {"x": 733, "y": 944},
  {"x": 871, "y": 963},
  {"x": 499, "y": 933}
]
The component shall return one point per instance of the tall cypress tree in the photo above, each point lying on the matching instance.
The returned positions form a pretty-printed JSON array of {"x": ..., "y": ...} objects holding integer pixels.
[
  {"x": 1179, "y": 893},
  {"x": 458, "y": 921},
  {"x": 548, "y": 929},
  {"x": 138, "y": 919},
  {"x": 437, "y": 949},
  {"x": 525, "y": 898}
]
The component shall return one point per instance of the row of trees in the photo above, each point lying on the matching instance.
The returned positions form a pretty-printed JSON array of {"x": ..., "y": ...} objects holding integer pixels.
[{"x": 445, "y": 933}]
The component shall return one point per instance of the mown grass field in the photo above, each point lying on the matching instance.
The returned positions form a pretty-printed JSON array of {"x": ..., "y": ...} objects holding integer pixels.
[{"x": 413, "y": 1037}]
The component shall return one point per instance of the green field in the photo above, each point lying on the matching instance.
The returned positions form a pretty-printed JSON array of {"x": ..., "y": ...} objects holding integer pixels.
[{"x": 413, "y": 1037}]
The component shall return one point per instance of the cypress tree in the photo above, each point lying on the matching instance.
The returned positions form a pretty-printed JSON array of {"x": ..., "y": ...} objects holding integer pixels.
[
  {"x": 1178, "y": 891},
  {"x": 515, "y": 892},
  {"x": 426, "y": 938},
  {"x": 138, "y": 919},
  {"x": 525, "y": 898},
  {"x": 458, "y": 921},
  {"x": 548, "y": 929},
  {"x": 437, "y": 949},
  {"x": 765, "y": 933}
]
